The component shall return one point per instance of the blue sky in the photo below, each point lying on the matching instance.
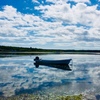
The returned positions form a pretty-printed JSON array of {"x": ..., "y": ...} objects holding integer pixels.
[{"x": 55, "y": 24}]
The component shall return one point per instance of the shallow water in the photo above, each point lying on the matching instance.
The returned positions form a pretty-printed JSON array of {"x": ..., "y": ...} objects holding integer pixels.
[{"x": 19, "y": 75}]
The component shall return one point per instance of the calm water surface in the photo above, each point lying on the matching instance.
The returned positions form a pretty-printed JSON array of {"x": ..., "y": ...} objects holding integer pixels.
[{"x": 19, "y": 75}]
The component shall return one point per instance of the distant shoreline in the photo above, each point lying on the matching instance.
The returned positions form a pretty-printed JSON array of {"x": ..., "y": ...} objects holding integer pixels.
[{"x": 33, "y": 53}]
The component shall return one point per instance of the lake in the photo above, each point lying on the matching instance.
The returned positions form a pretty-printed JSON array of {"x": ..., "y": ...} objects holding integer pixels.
[{"x": 18, "y": 75}]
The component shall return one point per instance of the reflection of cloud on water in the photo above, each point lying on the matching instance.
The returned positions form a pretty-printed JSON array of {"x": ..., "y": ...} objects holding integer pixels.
[
  {"x": 9, "y": 68},
  {"x": 25, "y": 77},
  {"x": 21, "y": 75},
  {"x": 95, "y": 75}
]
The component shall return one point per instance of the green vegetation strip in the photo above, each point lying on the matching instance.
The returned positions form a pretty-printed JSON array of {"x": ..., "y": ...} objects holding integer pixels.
[
  {"x": 31, "y": 50},
  {"x": 42, "y": 97}
]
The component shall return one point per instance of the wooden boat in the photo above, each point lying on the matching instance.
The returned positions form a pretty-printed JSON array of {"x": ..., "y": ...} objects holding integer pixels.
[{"x": 62, "y": 64}]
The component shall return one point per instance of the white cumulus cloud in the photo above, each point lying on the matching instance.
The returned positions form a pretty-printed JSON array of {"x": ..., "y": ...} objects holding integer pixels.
[{"x": 59, "y": 24}]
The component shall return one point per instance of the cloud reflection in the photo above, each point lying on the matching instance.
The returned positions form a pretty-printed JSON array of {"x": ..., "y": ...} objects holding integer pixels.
[{"x": 19, "y": 75}]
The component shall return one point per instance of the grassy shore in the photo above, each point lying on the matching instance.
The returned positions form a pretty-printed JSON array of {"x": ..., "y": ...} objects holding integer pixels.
[
  {"x": 42, "y": 97},
  {"x": 53, "y": 97}
]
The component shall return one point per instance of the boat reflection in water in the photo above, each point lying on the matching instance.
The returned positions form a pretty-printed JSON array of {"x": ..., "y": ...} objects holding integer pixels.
[{"x": 60, "y": 64}]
